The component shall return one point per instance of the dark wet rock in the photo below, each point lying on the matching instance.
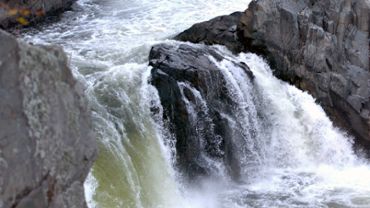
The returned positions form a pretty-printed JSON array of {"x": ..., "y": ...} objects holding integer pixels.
[
  {"x": 320, "y": 46},
  {"x": 195, "y": 100},
  {"x": 23, "y": 13},
  {"x": 221, "y": 30},
  {"x": 47, "y": 145}
]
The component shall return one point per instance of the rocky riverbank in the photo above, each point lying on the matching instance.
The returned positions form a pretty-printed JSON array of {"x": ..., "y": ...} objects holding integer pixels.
[
  {"x": 46, "y": 141},
  {"x": 23, "y": 13},
  {"x": 47, "y": 144}
]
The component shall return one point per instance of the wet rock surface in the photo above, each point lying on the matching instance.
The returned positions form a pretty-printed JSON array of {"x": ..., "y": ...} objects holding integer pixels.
[
  {"x": 221, "y": 30},
  {"x": 195, "y": 101},
  {"x": 47, "y": 145},
  {"x": 320, "y": 46}
]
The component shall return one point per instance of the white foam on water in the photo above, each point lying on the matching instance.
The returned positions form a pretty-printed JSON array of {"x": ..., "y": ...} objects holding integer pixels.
[
  {"x": 304, "y": 161},
  {"x": 108, "y": 42},
  {"x": 309, "y": 162}
]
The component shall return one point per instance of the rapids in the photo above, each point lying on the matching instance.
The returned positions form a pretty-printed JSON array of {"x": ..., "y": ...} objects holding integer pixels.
[{"x": 294, "y": 158}]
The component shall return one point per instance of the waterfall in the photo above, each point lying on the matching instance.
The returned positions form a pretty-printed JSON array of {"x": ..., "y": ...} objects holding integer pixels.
[
  {"x": 303, "y": 160},
  {"x": 283, "y": 149},
  {"x": 294, "y": 127},
  {"x": 286, "y": 150},
  {"x": 132, "y": 169}
]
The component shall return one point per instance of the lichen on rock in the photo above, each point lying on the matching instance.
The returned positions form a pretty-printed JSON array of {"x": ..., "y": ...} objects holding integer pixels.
[{"x": 47, "y": 145}]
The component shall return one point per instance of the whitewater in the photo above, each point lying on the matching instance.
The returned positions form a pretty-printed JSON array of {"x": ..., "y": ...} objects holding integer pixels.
[{"x": 295, "y": 157}]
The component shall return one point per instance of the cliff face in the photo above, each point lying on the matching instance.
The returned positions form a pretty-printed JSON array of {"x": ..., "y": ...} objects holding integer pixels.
[
  {"x": 18, "y": 12},
  {"x": 321, "y": 46},
  {"x": 46, "y": 141}
]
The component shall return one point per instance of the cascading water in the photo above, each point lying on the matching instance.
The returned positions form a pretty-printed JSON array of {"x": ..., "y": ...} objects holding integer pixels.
[
  {"x": 307, "y": 162},
  {"x": 287, "y": 143}
]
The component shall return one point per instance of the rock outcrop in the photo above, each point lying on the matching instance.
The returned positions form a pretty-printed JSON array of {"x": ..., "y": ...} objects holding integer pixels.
[
  {"x": 221, "y": 30},
  {"x": 195, "y": 100},
  {"x": 18, "y": 12},
  {"x": 321, "y": 46},
  {"x": 47, "y": 145}
]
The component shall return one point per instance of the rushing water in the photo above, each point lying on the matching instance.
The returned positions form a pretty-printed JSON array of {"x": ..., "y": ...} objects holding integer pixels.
[{"x": 302, "y": 160}]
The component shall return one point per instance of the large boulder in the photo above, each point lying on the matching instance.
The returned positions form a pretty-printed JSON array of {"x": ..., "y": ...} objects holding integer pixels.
[
  {"x": 198, "y": 106},
  {"x": 47, "y": 145},
  {"x": 321, "y": 46},
  {"x": 22, "y": 13},
  {"x": 221, "y": 30}
]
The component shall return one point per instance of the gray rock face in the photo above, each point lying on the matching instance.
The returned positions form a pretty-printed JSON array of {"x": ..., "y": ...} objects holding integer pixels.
[
  {"x": 220, "y": 30},
  {"x": 195, "y": 100},
  {"x": 46, "y": 141},
  {"x": 31, "y": 11},
  {"x": 321, "y": 46}
]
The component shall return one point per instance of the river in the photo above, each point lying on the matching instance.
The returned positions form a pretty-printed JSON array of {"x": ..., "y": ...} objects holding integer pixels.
[{"x": 299, "y": 159}]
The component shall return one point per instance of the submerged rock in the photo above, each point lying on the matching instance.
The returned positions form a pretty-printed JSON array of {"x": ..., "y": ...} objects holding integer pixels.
[
  {"x": 220, "y": 30},
  {"x": 195, "y": 99},
  {"x": 47, "y": 145},
  {"x": 320, "y": 46},
  {"x": 22, "y": 13}
]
